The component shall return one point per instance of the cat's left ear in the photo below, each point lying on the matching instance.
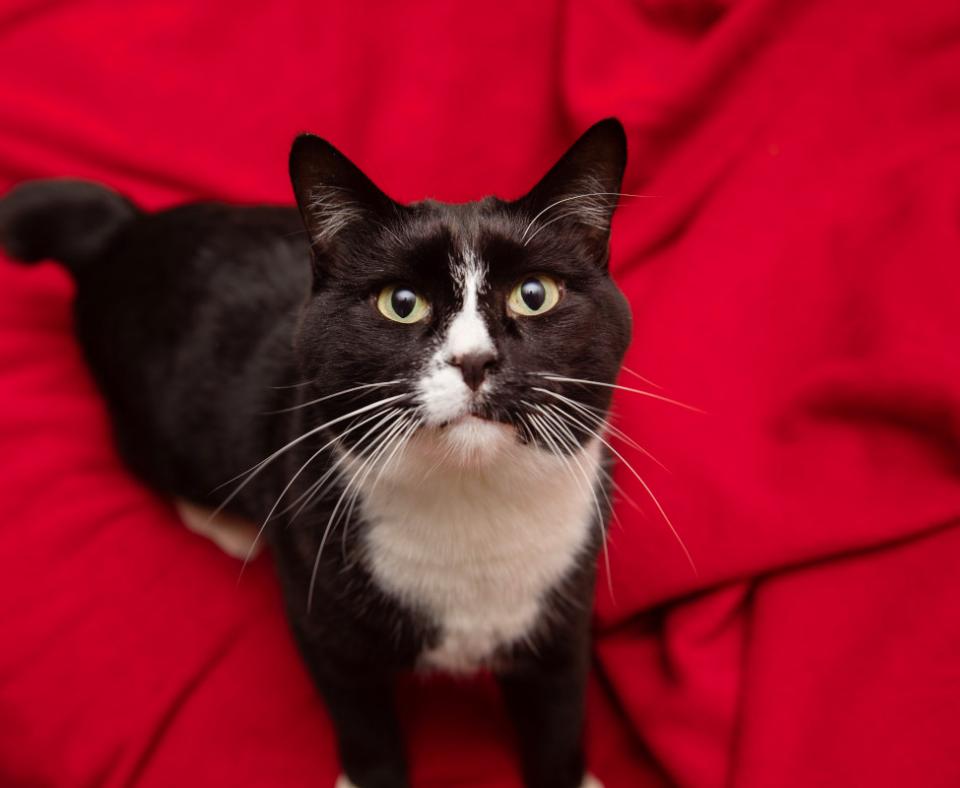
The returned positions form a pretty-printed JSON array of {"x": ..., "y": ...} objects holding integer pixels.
[
  {"x": 580, "y": 192},
  {"x": 334, "y": 196}
]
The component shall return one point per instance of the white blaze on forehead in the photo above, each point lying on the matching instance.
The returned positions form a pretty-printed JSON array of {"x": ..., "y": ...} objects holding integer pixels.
[
  {"x": 444, "y": 395},
  {"x": 468, "y": 332}
]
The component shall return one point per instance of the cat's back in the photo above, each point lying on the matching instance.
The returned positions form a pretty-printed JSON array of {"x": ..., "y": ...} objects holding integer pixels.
[
  {"x": 186, "y": 322},
  {"x": 197, "y": 258}
]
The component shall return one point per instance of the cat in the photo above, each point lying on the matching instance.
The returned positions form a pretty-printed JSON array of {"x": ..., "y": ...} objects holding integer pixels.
[{"x": 408, "y": 399}]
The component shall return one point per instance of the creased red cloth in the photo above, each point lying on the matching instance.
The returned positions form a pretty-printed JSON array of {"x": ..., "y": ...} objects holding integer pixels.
[{"x": 794, "y": 273}]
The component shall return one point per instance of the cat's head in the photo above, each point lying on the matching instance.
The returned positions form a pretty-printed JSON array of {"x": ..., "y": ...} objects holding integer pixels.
[{"x": 468, "y": 323}]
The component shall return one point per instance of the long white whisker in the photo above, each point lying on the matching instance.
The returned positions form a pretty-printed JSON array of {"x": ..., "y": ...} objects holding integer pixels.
[
  {"x": 353, "y": 488},
  {"x": 588, "y": 413},
  {"x": 557, "y": 416},
  {"x": 640, "y": 377},
  {"x": 601, "y": 423},
  {"x": 642, "y": 392},
  {"x": 558, "y": 218},
  {"x": 336, "y": 394},
  {"x": 576, "y": 197},
  {"x": 618, "y": 490},
  {"x": 381, "y": 439},
  {"x": 402, "y": 438},
  {"x": 643, "y": 483},
  {"x": 328, "y": 444},
  {"x": 301, "y": 384},
  {"x": 398, "y": 439},
  {"x": 413, "y": 425},
  {"x": 538, "y": 430},
  {"x": 252, "y": 472},
  {"x": 307, "y": 434},
  {"x": 371, "y": 438},
  {"x": 590, "y": 487},
  {"x": 330, "y": 522}
]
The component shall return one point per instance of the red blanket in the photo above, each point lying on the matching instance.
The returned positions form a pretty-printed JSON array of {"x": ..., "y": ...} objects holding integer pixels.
[{"x": 795, "y": 274}]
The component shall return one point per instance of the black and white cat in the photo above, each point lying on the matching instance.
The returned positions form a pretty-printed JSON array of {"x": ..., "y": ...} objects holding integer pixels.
[{"x": 410, "y": 403}]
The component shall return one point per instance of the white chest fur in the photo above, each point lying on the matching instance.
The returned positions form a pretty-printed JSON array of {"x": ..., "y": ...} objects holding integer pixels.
[{"x": 478, "y": 548}]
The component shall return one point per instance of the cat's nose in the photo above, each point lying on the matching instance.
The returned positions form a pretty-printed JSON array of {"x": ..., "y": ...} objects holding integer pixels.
[{"x": 474, "y": 367}]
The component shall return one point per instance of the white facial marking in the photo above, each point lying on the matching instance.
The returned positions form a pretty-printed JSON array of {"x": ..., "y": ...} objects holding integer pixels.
[
  {"x": 468, "y": 331},
  {"x": 444, "y": 396}
]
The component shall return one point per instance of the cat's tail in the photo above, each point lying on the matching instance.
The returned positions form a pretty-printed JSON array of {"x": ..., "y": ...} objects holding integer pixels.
[{"x": 64, "y": 219}]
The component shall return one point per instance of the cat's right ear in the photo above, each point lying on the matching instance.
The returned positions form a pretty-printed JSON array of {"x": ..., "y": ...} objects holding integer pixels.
[{"x": 334, "y": 196}]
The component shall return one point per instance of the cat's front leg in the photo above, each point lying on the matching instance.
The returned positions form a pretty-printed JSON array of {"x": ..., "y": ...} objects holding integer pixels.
[
  {"x": 360, "y": 703},
  {"x": 368, "y": 733},
  {"x": 546, "y": 703}
]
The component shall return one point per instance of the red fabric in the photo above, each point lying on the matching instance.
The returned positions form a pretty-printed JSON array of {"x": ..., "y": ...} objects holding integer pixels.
[{"x": 795, "y": 275}]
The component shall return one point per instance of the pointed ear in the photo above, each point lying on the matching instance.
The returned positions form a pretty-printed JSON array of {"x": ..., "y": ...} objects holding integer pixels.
[
  {"x": 581, "y": 190},
  {"x": 334, "y": 196}
]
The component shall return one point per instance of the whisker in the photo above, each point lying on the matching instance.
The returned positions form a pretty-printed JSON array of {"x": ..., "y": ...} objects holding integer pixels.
[
  {"x": 413, "y": 425},
  {"x": 306, "y": 435},
  {"x": 642, "y": 392},
  {"x": 352, "y": 487},
  {"x": 404, "y": 438},
  {"x": 332, "y": 519},
  {"x": 643, "y": 483},
  {"x": 589, "y": 413},
  {"x": 603, "y": 424},
  {"x": 327, "y": 530},
  {"x": 556, "y": 416},
  {"x": 294, "y": 385},
  {"x": 253, "y": 471},
  {"x": 640, "y": 377},
  {"x": 441, "y": 460},
  {"x": 576, "y": 197},
  {"x": 295, "y": 476},
  {"x": 335, "y": 394},
  {"x": 590, "y": 486},
  {"x": 558, "y": 218},
  {"x": 371, "y": 437},
  {"x": 618, "y": 490}
]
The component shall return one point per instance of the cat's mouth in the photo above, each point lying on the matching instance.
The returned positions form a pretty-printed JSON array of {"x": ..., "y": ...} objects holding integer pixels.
[
  {"x": 469, "y": 418},
  {"x": 477, "y": 413}
]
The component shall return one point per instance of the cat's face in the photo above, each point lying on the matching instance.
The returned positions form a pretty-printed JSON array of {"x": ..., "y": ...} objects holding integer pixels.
[{"x": 469, "y": 324}]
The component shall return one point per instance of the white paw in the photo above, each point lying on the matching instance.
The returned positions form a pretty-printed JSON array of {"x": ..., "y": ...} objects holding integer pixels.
[
  {"x": 236, "y": 537},
  {"x": 344, "y": 782}
]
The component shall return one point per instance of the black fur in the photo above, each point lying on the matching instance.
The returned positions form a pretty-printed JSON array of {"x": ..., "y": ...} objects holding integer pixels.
[
  {"x": 206, "y": 326},
  {"x": 68, "y": 220}
]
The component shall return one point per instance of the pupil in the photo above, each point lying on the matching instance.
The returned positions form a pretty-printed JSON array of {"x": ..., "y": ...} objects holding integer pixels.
[
  {"x": 533, "y": 293},
  {"x": 403, "y": 301}
]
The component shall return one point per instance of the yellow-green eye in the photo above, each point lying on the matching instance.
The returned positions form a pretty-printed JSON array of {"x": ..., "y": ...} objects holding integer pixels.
[
  {"x": 400, "y": 303},
  {"x": 535, "y": 295}
]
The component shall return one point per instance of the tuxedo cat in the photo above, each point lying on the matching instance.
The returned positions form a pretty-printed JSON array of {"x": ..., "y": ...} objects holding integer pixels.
[{"x": 409, "y": 399}]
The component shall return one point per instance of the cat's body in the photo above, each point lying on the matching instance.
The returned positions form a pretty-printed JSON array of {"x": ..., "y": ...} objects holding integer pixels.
[{"x": 425, "y": 504}]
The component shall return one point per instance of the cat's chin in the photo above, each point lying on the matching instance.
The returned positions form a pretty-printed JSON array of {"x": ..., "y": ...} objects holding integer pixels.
[{"x": 473, "y": 441}]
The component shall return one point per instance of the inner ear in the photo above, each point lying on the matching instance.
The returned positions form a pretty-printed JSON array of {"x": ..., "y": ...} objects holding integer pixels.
[
  {"x": 582, "y": 189},
  {"x": 333, "y": 194}
]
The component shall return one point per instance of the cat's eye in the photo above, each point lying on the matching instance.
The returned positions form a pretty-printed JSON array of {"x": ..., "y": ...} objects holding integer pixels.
[
  {"x": 402, "y": 304},
  {"x": 533, "y": 296}
]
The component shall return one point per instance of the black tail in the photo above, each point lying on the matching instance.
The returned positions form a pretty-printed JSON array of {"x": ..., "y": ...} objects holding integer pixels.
[{"x": 71, "y": 221}]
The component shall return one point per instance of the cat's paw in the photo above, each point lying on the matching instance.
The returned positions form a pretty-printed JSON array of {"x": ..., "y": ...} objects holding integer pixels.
[
  {"x": 589, "y": 781},
  {"x": 235, "y": 536},
  {"x": 344, "y": 782}
]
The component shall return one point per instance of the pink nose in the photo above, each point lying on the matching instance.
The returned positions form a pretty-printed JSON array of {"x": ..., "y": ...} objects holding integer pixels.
[{"x": 474, "y": 367}]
